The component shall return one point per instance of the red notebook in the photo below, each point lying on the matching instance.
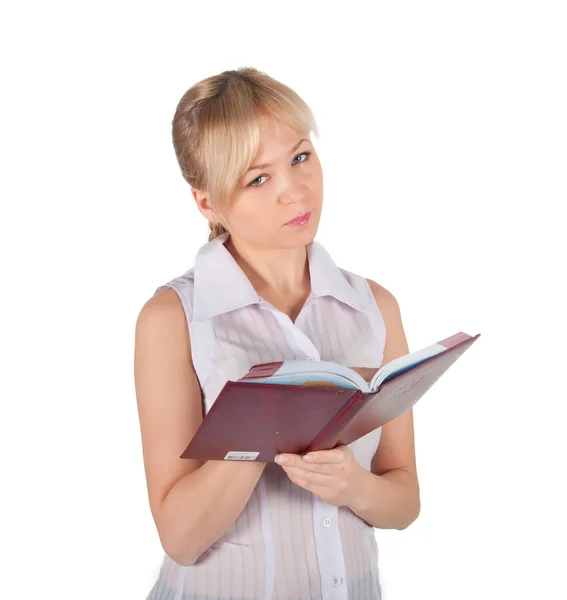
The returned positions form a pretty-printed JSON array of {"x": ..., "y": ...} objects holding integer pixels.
[{"x": 300, "y": 406}]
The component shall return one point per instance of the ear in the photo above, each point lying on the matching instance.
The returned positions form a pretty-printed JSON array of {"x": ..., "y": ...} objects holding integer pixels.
[{"x": 203, "y": 204}]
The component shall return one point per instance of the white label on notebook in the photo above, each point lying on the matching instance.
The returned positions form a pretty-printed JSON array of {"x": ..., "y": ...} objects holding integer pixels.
[{"x": 241, "y": 455}]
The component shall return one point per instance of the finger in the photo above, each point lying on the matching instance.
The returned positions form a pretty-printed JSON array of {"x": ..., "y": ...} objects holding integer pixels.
[
  {"x": 288, "y": 459},
  {"x": 298, "y": 463},
  {"x": 334, "y": 456},
  {"x": 308, "y": 477},
  {"x": 321, "y": 491}
]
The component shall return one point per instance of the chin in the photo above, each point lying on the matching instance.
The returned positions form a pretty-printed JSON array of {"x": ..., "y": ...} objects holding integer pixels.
[{"x": 300, "y": 236}]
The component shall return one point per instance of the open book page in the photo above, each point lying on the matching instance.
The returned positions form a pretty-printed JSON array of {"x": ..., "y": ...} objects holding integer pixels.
[
  {"x": 315, "y": 372},
  {"x": 321, "y": 373},
  {"x": 404, "y": 363}
]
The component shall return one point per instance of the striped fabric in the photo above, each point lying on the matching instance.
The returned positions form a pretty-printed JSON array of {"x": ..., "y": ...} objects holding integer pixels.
[{"x": 287, "y": 544}]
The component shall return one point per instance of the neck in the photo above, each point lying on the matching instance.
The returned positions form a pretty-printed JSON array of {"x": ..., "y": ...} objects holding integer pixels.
[{"x": 273, "y": 271}]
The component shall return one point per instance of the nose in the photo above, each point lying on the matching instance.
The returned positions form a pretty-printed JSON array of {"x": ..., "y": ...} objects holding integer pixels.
[{"x": 291, "y": 191}]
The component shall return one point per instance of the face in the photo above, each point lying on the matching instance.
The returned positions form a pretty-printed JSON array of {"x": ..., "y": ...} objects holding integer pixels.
[{"x": 288, "y": 184}]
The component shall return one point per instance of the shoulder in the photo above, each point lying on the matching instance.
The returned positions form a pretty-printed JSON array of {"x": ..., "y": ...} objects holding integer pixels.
[
  {"x": 177, "y": 292},
  {"x": 396, "y": 342},
  {"x": 384, "y": 298},
  {"x": 169, "y": 307},
  {"x": 359, "y": 284},
  {"x": 161, "y": 316}
]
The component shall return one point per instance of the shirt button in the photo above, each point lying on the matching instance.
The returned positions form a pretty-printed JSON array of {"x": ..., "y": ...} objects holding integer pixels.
[
  {"x": 337, "y": 581},
  {"x": 327, "y": 522}
]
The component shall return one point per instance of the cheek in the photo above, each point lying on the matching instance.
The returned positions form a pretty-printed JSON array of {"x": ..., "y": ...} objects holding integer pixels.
[
  {"x": 316, "y": 180},
  {"x": 250, "y": 220}
]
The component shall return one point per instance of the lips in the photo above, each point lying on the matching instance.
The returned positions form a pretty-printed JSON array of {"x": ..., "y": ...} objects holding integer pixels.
[{"x": 301, "y": 220}]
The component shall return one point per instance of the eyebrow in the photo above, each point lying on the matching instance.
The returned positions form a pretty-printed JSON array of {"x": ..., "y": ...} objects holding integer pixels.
[{"x": 266, "y": 165}]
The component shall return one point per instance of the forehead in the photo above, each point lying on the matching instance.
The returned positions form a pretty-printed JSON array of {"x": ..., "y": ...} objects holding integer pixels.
[{"x": 274, "y": 135}]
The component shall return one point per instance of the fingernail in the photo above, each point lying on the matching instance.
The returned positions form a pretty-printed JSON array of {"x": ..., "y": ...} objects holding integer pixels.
[{"x": 281, "y": 460}]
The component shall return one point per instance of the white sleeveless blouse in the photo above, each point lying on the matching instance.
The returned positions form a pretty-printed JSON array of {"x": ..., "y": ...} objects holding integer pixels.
[{"x": 287, "y": 544}]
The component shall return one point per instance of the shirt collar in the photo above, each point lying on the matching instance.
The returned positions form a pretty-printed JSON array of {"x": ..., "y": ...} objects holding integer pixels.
[{"x": 221, "y": 286}]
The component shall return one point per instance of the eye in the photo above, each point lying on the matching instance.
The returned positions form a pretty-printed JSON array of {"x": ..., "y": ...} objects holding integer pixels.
[
  {"x": 251, "y": 184},
  {"x": 306, "y": 154}
]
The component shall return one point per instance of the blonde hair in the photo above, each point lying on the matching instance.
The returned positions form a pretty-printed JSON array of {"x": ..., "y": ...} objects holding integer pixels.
[{"x": 216, "y": 129}]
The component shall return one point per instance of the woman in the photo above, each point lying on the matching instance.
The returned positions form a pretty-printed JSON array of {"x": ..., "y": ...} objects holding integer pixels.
[{"x": 263, "y": 290}]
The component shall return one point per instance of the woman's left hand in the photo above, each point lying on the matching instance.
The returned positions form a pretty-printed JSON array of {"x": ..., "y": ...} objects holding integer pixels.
[{"x": 333, "y": 475}]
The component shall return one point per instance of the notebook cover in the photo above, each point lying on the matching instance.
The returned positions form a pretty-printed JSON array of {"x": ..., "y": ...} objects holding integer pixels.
[
  {"x": 257, "y": 421},
  {"x": 395, "y": 397}
]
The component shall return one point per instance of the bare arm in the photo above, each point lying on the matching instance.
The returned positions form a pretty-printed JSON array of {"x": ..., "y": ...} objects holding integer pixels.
[
  {"x": 192, "y": 504},
  {"x": 389, "y": 497}
]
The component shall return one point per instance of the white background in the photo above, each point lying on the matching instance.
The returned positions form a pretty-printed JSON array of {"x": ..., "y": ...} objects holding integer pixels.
[{"x": 443, "y": 143}]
